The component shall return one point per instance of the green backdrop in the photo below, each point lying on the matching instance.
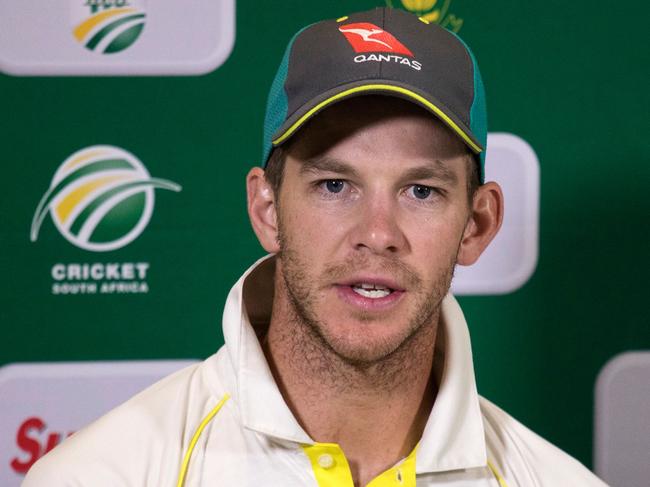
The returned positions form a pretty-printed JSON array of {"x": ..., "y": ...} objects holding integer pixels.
[{"x": 569, "y": 77}]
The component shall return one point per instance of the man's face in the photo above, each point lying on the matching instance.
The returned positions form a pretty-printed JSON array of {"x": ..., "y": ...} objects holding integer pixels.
[{"x": 371, "y": 214}]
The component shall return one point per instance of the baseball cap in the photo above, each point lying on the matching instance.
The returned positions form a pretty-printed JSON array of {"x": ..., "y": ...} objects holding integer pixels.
[{"x": 381, "y": 51}]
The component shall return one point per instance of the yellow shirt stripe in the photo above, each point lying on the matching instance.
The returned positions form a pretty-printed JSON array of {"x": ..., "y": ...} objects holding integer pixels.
[{"x": 195, "y": 438}]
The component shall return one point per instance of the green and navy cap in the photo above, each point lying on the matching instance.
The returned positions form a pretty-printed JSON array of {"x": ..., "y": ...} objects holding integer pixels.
[{"x": 381, "y": 51}]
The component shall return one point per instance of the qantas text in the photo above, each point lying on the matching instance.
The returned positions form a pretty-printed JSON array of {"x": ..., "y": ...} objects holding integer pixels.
[{"x": 389, "y": 58}]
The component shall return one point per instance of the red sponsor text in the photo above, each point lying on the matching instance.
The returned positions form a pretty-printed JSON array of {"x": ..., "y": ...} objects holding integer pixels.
[{"x": 30, "y": 439}]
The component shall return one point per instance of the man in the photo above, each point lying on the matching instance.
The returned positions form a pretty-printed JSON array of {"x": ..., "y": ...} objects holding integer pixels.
[{"x": 346, "y": 362}]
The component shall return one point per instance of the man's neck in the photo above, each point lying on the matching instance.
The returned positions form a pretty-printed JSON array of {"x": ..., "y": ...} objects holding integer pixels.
[{"x": 376, "y": 413}]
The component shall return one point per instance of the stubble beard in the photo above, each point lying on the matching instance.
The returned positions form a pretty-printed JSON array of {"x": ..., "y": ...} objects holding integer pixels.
[{"x": 382, "y": 362}]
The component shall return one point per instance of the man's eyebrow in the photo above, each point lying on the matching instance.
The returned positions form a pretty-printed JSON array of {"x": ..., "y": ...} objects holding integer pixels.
[
  {"x": 434, "y": 170},
  {"x": 326, "y": 164}
]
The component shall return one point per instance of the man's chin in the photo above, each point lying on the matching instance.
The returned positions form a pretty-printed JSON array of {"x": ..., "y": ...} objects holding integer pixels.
[
  {"x": 364, "y": 349},
  {"x": 362, "y": 357}
]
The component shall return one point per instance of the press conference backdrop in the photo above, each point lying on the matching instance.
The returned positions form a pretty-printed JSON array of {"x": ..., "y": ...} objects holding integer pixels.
[{"x": 127, "y": 128}]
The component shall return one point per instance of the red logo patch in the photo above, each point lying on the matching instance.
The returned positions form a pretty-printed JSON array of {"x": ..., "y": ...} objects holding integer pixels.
[{"x": 366, "y": 37}]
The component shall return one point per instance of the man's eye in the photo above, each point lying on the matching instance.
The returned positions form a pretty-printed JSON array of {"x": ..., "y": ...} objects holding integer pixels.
[
  {"x": 421, "y": 192},
  {"x": 334, "y": 185}
]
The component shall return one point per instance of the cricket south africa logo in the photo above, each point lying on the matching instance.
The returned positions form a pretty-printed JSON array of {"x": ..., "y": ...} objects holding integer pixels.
[
  {"x": 107, "y": 26},
  {"x": 100, "y": 199},
  {"x": 433, "y": 11}
]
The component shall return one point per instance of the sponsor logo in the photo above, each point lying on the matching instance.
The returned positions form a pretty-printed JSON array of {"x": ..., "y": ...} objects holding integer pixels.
[
  {"x": 100, "y": 278},
  {"x": 115, "y": 37},
  {"x": 107, "y": 26},
  {"x": 101, "y": 198},
  {"x": 365, "y": 37},
  {"x": 362, "y": 58},
  {"x": 44, "y": 403},
  {"x": 33, "y": 439},
  {"x": 435, "y": 11}
]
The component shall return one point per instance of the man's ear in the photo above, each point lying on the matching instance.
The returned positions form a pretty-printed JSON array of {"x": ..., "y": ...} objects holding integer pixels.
[
  {"x": 486, "y": 216},
  {"x": 261, "y": 209}
]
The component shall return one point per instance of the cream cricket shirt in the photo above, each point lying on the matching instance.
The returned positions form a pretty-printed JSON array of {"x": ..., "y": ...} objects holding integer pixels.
[{"x": 224, "y": 423}]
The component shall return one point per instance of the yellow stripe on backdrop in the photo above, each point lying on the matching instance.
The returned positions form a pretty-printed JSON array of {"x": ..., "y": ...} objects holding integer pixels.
[
  {"x": 87, "y": 25},
  {"x": 69, "y": 203},
  {"x": 81, "y": 158}
]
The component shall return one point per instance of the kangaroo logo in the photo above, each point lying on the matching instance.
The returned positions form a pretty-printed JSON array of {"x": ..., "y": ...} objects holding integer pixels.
[{"x": 366, "y": 37}]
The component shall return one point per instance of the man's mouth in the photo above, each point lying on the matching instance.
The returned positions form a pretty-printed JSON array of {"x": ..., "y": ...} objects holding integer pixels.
[{"x": 372, "y": 291}]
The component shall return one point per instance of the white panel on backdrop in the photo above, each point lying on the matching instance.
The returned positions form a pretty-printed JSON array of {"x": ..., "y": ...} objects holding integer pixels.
[
  {"x": 622, "y": 421},
  {"x": 41, "y": 404},
  {"x": 511, "y": 258},
  {"x": 115, "y": 37}
]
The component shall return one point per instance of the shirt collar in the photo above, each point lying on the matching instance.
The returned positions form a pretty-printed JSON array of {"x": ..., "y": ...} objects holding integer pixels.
[{"x": 453, "y": 437}]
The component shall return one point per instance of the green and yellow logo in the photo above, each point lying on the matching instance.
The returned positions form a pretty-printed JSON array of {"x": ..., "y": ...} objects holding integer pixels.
[
  {"x": 435, "y": 11},
  {"x": 108, "y": 26},
  {"x": 101, "y": 198}
]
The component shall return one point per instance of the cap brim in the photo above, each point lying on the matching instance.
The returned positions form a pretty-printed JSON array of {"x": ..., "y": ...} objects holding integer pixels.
[{"x": 386, "y": 87}]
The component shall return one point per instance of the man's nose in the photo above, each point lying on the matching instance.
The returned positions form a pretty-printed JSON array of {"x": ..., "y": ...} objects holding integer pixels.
[{"x": 378, "y": 228}]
